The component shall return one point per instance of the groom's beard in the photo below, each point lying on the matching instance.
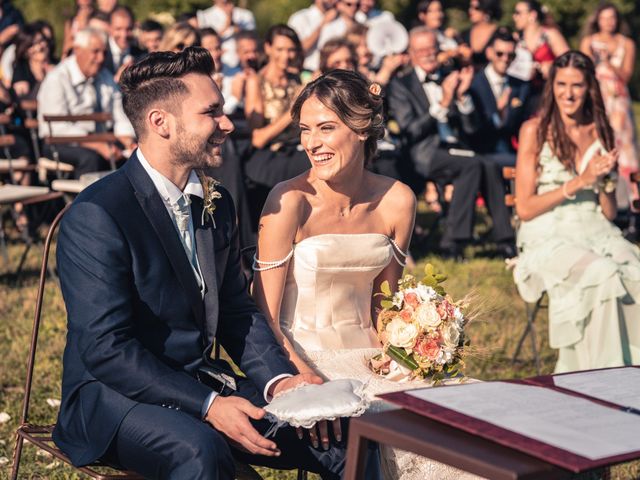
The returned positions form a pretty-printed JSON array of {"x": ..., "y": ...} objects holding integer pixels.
[{"x": 193, "y": 151}]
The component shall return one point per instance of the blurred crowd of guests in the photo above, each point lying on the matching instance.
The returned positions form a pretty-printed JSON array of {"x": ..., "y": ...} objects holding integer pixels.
[{"x": 454, "y": 100}]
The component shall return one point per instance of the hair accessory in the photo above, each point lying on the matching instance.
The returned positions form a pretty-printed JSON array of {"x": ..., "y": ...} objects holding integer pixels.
[{"x": 375, "y": 89}]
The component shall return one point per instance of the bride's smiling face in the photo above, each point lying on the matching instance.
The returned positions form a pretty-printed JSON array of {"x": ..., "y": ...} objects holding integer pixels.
[{"x": 332, "y": 147}]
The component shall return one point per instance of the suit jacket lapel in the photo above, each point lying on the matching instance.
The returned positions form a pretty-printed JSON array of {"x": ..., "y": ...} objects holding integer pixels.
[
  {"x": 417, "y": 90},
  {"x": 491, "y": 102},
  {"x": 205, "y": 249},
  {"x": 156, "y": 212}
]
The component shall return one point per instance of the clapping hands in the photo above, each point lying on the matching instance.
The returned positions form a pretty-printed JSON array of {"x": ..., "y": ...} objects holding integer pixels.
[
  {"x": 456, "y": 84},
  {"x": 600, "y": 165}
]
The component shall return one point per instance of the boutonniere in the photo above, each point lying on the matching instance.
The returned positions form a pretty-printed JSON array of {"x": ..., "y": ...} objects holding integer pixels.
[
  {"x": 516, "y": 102},
  {"x": 210, "y": 195}
]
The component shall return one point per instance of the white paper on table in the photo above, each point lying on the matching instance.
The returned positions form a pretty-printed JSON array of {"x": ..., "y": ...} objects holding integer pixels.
[
  {"x": 570, "y": 423},
  {"x": 617, "y": 385}
]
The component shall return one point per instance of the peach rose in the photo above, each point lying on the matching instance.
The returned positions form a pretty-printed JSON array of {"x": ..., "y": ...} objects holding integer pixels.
[
  {"x": 411, "y": 299},
  {"x": 406, "y": 315}
]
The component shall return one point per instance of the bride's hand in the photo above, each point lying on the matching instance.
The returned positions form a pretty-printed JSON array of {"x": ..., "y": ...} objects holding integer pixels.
[{"x": 321, "y": 431}]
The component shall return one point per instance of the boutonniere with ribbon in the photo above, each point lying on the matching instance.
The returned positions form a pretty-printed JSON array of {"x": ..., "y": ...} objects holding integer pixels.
[{"x": 210, "y": 195}]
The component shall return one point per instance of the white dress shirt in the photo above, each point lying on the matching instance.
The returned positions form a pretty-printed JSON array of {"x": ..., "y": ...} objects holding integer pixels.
[
  {"x": 433, "y": 91},
  {"x": 66, "y": 91},
  {"x": 170, "y": 195},
  {"x": 497, "y": 83},
  {"x": 306, "y": 21},
  {"x": 216, "y": 18}
]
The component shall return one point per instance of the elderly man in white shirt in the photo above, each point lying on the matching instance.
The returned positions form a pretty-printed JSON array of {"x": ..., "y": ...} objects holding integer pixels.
[
  {"x": 227, "y": 19},
  {"x": 80, "y": 85}
]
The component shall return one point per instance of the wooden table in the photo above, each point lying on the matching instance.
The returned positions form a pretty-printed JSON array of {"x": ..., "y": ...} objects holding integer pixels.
[{"x": 409, "y": 431}]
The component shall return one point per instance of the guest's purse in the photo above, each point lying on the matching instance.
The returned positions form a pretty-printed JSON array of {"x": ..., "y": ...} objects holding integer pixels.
[{"x": 306, "y": 405}]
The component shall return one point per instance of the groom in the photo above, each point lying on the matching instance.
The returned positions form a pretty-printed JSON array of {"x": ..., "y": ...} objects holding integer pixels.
[{"x": 151, "y": 278}]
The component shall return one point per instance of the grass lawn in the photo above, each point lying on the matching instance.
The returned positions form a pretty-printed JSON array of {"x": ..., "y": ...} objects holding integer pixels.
[{"x": 494, "y": 336}]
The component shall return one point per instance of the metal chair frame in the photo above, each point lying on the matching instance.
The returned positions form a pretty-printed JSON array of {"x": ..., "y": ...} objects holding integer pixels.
[{"x": 532, "y": 309}]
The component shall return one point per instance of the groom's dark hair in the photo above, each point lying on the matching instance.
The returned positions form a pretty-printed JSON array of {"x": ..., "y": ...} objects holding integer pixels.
[{"x": 158, "y": 78}]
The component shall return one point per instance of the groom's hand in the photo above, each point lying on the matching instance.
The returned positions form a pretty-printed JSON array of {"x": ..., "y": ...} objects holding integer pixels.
[{"x": 230, "y": 416}]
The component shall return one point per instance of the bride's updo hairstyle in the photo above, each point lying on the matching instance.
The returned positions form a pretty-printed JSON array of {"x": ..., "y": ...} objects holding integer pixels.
[{"x": 353, "y": 99}]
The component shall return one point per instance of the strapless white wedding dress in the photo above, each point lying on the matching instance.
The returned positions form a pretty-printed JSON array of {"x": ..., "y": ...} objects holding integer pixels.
[{"x": 326, "y": 314}]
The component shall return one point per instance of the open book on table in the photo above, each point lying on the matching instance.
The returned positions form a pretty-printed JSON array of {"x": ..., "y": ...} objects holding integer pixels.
[{"x": 577, "y": 421}]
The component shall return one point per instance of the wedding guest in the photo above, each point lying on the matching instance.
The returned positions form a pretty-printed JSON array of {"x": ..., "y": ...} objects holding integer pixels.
[
  {"x": 608, "y": 44},
  {"x": 452, "y": 49},
  {"x": 78, "y": 21},
  {"x": 308, "y": 23},
  {"x": 569, "y": 246},
  {"x": 99, "y": 21},
  {"x": 121, "y": 49},
  {"x": 235, "y": 79},
  {"x": 32, "y": 61},
  {"x": 80, "y": 85},
  {"x": 541, "y": 43},
  {"x": 390, "y": 64},
  {"x": 10, "y": 22},
  {"x": 369, "y": 14},
  {"x": 501, "y": 101},
  {"x": 150, "y": 35},
  {"x": 210, "y": 41},
  {"x": 329, "y": 238},
  {"x": 269, "y": 96},
  {"x": 228, "y": 20},
  {"x": 337, "y": 53},
  {"x": 435, "y": 112},
  {"x": 178, "y": 37},
  {"x": 484, "y": 16}
]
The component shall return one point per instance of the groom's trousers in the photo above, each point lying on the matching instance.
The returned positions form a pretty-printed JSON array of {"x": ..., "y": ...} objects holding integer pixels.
[{"x": 165, "y": 443}]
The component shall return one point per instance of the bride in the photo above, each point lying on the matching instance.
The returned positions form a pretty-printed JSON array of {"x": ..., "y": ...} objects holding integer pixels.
[{"x": 327, "y": 240}]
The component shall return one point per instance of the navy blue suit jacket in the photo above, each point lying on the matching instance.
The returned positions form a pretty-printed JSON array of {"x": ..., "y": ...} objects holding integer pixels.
[
  {"x": 488, "y": 135},
  {"x": 138, "y": 328}
]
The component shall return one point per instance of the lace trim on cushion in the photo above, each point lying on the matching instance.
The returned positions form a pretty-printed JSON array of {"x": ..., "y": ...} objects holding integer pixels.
[
  {"x": 261, "y": 265},
  {"x": 398, "y": 253}
]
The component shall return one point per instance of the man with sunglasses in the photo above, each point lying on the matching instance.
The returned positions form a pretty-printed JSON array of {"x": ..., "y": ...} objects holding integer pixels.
[{"x": 501, "y": 101}]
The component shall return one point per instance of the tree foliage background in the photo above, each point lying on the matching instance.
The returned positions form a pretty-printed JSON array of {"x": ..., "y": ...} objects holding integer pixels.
[{"x": 570, "y": 15}]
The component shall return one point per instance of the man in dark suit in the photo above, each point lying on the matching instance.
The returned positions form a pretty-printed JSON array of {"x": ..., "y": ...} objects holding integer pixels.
[
  {"x": 501, "y": 101},
  {"x": 435, "y": 113},
  {"x": 121, "y": 49},
  {"x": 150, "y": 271}
]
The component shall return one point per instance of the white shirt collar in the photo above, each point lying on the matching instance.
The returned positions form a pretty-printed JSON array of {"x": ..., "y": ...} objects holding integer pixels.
[
  {"x": 493, "y": 76},
  {"x": 77, "y": 77},
  {"x": 169, "y": 192},
  {"x": 420, "y": 73}
]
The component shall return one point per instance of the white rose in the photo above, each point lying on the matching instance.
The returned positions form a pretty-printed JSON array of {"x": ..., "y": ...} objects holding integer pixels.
[
  {"x": 427, "y": 316},
  {"x": 401, "y": 333},
  {"x": 451, "y": 335},
  {"x": 425, "y": 293}
]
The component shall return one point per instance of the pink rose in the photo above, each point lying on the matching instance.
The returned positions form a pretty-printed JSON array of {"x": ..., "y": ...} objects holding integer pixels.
[
  {"x": 427, "y": 348},
  {"x": 442, "y": 311},
  {"x": 411, "y": 299}
]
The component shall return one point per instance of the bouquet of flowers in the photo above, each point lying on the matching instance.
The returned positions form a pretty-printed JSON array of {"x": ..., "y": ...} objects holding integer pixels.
[{"x": 421, "y": 329}]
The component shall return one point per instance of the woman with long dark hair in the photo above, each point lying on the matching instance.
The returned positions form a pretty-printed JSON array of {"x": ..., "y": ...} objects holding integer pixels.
[
  {"x": 484, "y": 16},
  {"x": 607, "y": 42},
  {"x": 565, "y": 190},
  {"x": 32, "y": 62}
]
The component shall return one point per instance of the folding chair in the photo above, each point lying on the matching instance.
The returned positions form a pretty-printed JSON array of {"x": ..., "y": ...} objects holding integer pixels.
[
  {"x": 532, "y": 309},
  {"x": 62, "y": 169}
]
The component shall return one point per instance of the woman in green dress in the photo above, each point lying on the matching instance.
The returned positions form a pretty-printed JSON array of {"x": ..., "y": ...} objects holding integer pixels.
[{"x": 565, "y": 189}]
